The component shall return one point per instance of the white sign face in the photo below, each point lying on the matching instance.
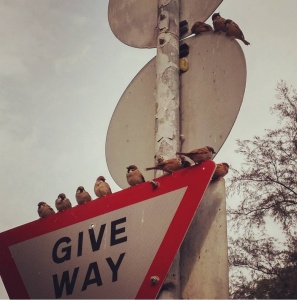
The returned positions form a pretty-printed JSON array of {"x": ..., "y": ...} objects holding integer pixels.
[
  {"x": 126, "y": 19},
  {"x": 107, "y": 248},
  {"x": 103, "y": 257}
]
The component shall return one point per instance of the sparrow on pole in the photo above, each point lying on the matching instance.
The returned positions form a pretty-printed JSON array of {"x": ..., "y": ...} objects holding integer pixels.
[
  {"x": 44, "y": 210},
  {"x": 62, "y": 202},
  {"x": 101, "y": 188},
  {"x": 220, "y": 171},
  {"x": 218, "y": 23},
  {"x": 169, "y": 165},
  {"x": 134, "y": 176},
  {"x": 199, "y": 155},
  {"x": 233, "y": 30},
  {"x": 82, "y": 196},
  {"x": 200, "y": 27}
]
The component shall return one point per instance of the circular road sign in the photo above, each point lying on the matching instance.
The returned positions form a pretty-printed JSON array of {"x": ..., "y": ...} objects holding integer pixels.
[
  {"x": 135, "y": 22},
  {"x": 211, "y": 94}
]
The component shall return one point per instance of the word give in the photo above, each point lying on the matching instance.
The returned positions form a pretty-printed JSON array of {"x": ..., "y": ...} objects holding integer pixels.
[{"x": 63, "y": 251}]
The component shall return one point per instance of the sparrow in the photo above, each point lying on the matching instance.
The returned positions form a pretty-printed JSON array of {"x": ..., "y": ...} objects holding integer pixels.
[
  {"x": 220, "y": 171},
  {"x": 62, "y": 202},
  {"x": 134, "y": 176},
  {"x": 169, "y": 165},
  {"x": 218, "y": 23},
  {"x": 200, "y": 27},
  {"x": 233, "y": 30},
  {"x": 82, "y": 196},
  {"x": 199, "y": 155},
  {"x": 160, "y": 159},
  {"x": 101, "y": 188},
  {"x": 44, "y": 210}
]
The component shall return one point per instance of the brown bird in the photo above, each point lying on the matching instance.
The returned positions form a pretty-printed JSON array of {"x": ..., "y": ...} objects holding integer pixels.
[
  {"x": 233, "y": 30},
  {"x": 218, "y": 23},
  {"x": 62, "y": 202},
  {"x": 199, "y": 155},
  {"x": 200, "y": 27},
  {"x": 160, "y": 159},
  {"x": 44, "y": 210},
  {"x": 101, "y": 188},
  {"x": 82, "y": 196},
  {"x": 134, "y": 176},
  {"x": 169, "y": 165},
  {"x": 220, "y": 171}
]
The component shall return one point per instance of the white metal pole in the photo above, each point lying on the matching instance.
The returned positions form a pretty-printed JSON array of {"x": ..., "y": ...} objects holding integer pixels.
[
  {"x": 167, "y": 84},
  {"x": 167, "y": 109},
  {"x": 204, "y": 252}
]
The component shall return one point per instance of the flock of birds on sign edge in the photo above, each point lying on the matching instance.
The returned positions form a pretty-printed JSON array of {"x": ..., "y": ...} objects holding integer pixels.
[
  {"x": 134, "y": 176},
  {"x": 220, "y": 25}
]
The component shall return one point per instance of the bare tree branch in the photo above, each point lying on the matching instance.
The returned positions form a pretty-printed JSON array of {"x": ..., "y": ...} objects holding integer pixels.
[{"x": 267, "y": 187}]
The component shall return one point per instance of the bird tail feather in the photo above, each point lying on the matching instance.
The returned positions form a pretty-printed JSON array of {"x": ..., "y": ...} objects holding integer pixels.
[
  {"x": 180, "y": 153},
  {"x": 151, "y": 168}
]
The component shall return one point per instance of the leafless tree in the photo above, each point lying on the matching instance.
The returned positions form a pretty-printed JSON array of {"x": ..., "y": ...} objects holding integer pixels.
[{"x": 266, "y": 185}]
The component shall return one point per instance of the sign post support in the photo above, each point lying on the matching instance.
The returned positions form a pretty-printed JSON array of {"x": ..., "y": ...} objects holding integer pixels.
[
  {"x": 200, "y": 104},
  {"x": 167, "y": 80},
  {"x": 167, "y": 109}
]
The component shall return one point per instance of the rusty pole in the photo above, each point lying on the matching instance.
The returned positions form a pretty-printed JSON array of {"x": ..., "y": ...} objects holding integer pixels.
[{"x": 167, "y": 126}]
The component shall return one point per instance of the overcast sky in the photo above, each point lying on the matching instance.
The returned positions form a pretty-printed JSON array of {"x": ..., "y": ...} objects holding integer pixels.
[{"x": 62, "y": 72}]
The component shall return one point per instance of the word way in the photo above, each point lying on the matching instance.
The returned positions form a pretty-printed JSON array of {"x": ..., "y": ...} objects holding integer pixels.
[{"x": 66, "y": 249}]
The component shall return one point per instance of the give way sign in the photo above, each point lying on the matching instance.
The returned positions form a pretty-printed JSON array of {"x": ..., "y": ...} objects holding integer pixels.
[{"x": 107, "y": 248}]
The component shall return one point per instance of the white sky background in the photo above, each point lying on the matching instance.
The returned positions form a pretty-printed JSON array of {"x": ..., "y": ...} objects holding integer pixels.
[{"x": 62, "y": 72}]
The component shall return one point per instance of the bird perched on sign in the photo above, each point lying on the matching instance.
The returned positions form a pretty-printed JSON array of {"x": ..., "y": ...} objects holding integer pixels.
[
  {"x": 134, "y": 176},
  {"x": 101, "y": 188},
  {"x": 233, "y": 30},
  {"x": 200, "y": 27},
  {"x": 62, "y": 202},
  {"x": 220, "y": 171},
  {"x": 82, "y": 196},
  {"x": 155, "y": 184},
  {"x": 160, "y": 159},
  {"x": 44, "y": 210},
  {"x": 169, "y": 165},
  {"x": 218, "y": 23},
  {"x": 199, "y": 155}
]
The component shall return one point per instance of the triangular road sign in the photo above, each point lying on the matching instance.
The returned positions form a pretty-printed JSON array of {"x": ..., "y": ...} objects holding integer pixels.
[{"x": 107, "y": 248}]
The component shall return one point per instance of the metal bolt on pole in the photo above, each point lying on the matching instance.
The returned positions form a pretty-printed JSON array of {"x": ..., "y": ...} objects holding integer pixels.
[{"x": 167, "y": 109}]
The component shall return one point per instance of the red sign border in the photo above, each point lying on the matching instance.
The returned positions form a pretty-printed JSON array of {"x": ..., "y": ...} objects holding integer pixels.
[{"x": 196, "y": 178}]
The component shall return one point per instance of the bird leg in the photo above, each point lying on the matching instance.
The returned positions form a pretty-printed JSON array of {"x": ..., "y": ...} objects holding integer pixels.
[{"x": 154, "y": 184}]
